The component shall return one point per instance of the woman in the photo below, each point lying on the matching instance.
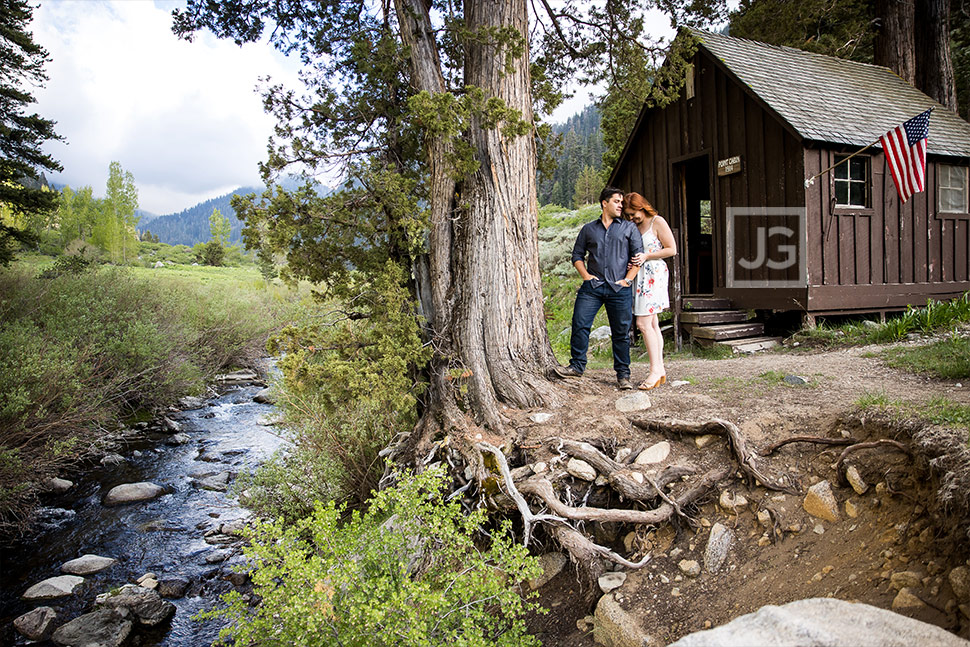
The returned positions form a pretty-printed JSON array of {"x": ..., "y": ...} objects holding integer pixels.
[{"x": 650, "y": 288}]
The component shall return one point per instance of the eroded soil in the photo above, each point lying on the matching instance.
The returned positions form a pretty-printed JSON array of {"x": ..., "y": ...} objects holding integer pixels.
[{"x": 898, "y": 526}]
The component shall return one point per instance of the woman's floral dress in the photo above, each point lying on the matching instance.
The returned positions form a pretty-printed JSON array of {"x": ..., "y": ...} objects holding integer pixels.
[{"x": 650, "y": 294}]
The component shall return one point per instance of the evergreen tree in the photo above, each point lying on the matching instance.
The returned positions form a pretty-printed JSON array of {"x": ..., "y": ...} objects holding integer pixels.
[
  {"x": 21, "y": 134},
  {"x": 588, "y": 186}
]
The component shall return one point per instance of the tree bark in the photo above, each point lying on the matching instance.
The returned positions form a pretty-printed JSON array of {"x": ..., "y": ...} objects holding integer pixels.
[
  {"x": 499, "y": 327},
  {"x": 934, "y": 66},
  {"x": 894, "y": 45}
]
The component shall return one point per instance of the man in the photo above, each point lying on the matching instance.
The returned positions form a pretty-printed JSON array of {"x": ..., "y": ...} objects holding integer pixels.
[{"x": 601, "y": 255}]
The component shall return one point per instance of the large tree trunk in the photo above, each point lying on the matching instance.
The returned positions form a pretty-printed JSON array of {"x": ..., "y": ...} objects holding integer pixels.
[
  {"x": 934, "y": 66},
  {"x": 499, "y": 327},
  {"x": 894, "y": 45}
]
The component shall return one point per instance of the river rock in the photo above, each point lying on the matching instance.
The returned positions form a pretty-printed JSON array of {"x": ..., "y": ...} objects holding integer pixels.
[
  {"x": 823, "y": 622},
  {"x": 855, "y": 480},
  {"x": 218, "y": 556},
  {"x": 53, "y": 588},
  {"x": 177, "y": 439},
  {"x": 59, "y": 486},
  {"x": 552, "y": 564},
  {"x": 235, "y": 528},
  {"x": 718, "y": 544},
  {"x": 906, "y": 600},
  {"x": 796, "y": 380},
  {"x": 217, "y": 483},
  {"x": 87, "y": 565},
  {"x": 218, "y": 539},
  {"x": 821, "y": 503},
  {"x": 611, "y": 581},
  {"x": 581, "y": 469},
  {"x": 37, "y": 624},
  {"x": 614, "y": 626},
  {"x": 111, "y": 460},
  {"x": 191, "y": 402},
  {"x": 133, "y": 493},
  {"x": 633, "y": 402},
  {"x": 171, "y": 426},
  {"x": 244, "y": 375},
  {"x": 101, "y": 628},
  {"x": 265, "y": 396},
  {"x": 145, "y": 604},
  {"x": 960, "y": 583},
  {"x": 654, "y": 454},
  {"x": 173, "y": 587}
]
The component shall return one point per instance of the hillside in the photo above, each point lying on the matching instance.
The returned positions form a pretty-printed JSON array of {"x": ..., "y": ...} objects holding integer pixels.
[{"x": 191, "y": 226}]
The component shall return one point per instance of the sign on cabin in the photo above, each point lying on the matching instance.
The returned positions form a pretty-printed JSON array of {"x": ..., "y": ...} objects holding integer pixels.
[{"x": 729, "y": 166}]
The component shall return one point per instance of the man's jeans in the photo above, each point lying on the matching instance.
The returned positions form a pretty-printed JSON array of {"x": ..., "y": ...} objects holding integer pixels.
[{"x": 619, "y": 310}]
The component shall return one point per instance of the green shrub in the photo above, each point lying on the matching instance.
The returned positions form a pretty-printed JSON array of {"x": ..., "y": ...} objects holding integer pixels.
[
  {"x": 948, "y": 358},
  {"x": 410, "y": 570}
]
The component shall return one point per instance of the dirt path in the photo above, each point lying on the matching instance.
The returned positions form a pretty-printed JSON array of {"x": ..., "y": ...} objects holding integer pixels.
[{"x": 897, "y": 537}]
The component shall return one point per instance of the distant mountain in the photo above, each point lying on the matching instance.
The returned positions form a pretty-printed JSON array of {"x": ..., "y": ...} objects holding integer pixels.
[
  {"x": 581, "y": 145},
  {"x": 191, "y": 226}
]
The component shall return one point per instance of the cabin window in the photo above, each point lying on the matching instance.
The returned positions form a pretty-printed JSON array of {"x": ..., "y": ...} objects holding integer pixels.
[
  {"x": 952, "y": 188},
  {"x": 852, "y": 181}
]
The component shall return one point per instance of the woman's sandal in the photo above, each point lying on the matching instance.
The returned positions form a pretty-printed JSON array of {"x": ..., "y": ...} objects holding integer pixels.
[{"x": 646, "y": 387}]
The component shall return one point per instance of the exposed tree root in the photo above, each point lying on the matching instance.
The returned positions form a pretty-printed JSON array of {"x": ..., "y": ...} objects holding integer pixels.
[
  {"x": 882, "y": 442},
  {"x": 746, "y": 458},
  {"x": 771, "y": 449}
]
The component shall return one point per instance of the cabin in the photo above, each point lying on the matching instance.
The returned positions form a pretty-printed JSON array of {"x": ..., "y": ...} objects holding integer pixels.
[{"x": 730, "y": 165}]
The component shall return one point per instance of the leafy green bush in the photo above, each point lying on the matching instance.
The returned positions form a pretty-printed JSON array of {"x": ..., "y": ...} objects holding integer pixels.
[{"x": 410, "y": 570}]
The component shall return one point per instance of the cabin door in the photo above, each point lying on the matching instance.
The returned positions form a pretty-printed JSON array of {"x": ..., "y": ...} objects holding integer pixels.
[{"x": 694, "y": 218}]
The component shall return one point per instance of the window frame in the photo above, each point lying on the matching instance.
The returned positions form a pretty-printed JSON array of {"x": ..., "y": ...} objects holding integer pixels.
[
  {"x": 940, "y": 213},
  {"x": 866, "y": 183}
]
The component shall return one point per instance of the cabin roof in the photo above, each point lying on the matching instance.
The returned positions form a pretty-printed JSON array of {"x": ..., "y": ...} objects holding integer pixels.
[{"x": 829, "y": 99}]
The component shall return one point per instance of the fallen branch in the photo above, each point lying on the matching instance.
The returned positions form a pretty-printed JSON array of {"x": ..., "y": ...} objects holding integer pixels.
[
  {"x": 739, "y": 446},
  {"x": 771, "y": 449}
]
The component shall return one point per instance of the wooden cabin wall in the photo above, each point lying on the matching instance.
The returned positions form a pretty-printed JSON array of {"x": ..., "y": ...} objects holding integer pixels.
[
  {"x": 887, "y": 256},
  {"x": 722, "y": 120}
]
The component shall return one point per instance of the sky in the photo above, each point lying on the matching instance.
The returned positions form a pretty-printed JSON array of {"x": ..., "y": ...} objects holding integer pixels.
[{"x": 185, "y": 119}]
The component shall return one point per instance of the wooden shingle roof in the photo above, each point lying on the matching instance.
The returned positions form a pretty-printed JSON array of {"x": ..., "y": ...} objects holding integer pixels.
[{"x": 830, "y": 99}]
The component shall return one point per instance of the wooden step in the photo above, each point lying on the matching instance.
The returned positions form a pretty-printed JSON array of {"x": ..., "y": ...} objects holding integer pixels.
[
  {"x": 705, "y": 303},
  {"x": 750, "y": 344},
  {"x": 714, "y": 316},
  {"x": 728, "y": 331}
]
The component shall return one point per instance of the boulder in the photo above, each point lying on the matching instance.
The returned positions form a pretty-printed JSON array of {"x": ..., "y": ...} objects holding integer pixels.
[
  {"x": 600, "y": 334},
  {"x": 217, "y": 483},
  {"x": 37, "y": 624},
  {"x": 146, "y": 605},
  {"x": 133, "y": 493},
  {"x": 903, "y": 579},
  {"x": 611, "y": 581},
  {"x": 177, "y": 439},
  {"x": 171, "y": 426},
  {"x": 101, "y": 628},
  {"x": 821, "y": 503},
  {"x": 59, "y": 486},
  {"x": 906, "y": 600},
  {"x": 633, "y": 402},
  {"x": 552, "y": 564},
  {"x": 53, "y": 588},
  {"x": 960, "y": 583},
  {"x": 796, "y": 380},
  {"x": 191, "y": 402},
  {"x": 218, "y": 556},
  {"x": 654, "y": 454},
  {"x": 855, "y": 480},
  {"x": 718, "y": 544},
  {"x": 823, "y": 622},
  {"x": 173, "y": 587},
  {"x": 110, "y": 460},
  {"x": 614, "y": 626},
  {"x": 581, "y": 469},
  {"x": 87, "y": 565},
  {"x": 265, "y": 396}
]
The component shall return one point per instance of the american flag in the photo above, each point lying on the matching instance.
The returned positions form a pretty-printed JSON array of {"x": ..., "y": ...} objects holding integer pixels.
[{"x": 905, "y": 149}]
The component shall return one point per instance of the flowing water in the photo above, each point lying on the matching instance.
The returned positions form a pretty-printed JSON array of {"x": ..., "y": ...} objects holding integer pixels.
[{"x": 164, "y": 536}]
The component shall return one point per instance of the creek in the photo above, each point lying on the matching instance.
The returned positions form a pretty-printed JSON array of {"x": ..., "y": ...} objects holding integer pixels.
[{"x": 165, "y": 536}]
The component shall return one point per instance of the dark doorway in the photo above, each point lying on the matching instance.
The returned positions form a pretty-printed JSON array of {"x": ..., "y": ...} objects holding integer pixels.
[{"x": 695, "y": 218}]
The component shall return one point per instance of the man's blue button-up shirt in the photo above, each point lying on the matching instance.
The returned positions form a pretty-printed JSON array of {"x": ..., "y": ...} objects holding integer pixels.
[{"x": 607, "y": 251}]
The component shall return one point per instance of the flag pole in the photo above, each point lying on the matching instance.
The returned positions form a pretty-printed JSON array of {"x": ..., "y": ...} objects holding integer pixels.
[{"x": 810, "y": 181}]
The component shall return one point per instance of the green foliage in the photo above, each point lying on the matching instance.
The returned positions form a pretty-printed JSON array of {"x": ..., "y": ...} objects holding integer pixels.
[
  {"x": 79, "y": 351},
  {"x": 588, "y": 186},
  {"x": 211, "y": 253},
  {"x": 938, "y": 410},
  {"x": 568, "y": 149},
  {"x": 948, "y": 359},
  {"x": 943, "y": 411},
  {"x": 67, "y": 265},
  {"x": 349, "y": 380},
  {"x": 410, "y": 570}
]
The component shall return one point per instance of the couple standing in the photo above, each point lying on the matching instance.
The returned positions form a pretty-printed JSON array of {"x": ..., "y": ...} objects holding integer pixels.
[{"x": 621, "y": 263}]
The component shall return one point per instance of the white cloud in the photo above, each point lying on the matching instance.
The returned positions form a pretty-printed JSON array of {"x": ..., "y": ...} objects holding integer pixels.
[{"x": 184, "y": 118}]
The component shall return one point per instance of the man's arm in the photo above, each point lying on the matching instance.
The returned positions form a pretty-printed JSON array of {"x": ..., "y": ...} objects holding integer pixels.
[
  {"x": 636, "y": 247},
  {"x": 583, "y": 272},
  {"x": 579, "y": 256}
]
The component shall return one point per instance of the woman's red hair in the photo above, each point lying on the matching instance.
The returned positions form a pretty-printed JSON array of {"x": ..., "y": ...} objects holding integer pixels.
[{"x": 637, "y": 202}]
